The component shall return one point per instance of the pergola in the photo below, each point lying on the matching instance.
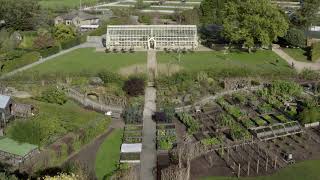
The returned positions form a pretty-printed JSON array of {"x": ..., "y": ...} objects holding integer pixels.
[{"x": 152, "y": 37}]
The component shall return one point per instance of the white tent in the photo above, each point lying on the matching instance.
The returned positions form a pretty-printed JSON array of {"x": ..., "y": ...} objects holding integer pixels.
[{"x": 131, "y": 148}]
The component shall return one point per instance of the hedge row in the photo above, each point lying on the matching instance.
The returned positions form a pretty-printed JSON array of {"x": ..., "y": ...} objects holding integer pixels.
[
  {"x": 315, "y": 51},
  {"x": 49, "y": 51},
  {"x": 63, "y": 46}
]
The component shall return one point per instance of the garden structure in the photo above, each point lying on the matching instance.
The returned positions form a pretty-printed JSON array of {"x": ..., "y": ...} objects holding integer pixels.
[
  {"x": 14, "y": 153},
  {"x": 152, "y": 37},
  {"x": 5, "y": 109}
]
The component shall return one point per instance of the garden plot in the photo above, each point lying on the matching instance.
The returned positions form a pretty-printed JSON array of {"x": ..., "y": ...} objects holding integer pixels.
[{"x": 132, "y": 144}]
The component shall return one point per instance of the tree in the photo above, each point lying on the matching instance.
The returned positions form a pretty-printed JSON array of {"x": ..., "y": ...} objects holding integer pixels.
[
  {"x": 211, "y": 11},
  {"x": 134, "y": 86},
  {"x": 295, "y": 37},
  {"x": 251, "y": 22},
  {"x": 190, "y": 16},
  {"x": 43, "y": 41},
  {"x": 64, "y": 33},
  {"x": 19, "y": 14},
  {"x": 307, "y": 14}
]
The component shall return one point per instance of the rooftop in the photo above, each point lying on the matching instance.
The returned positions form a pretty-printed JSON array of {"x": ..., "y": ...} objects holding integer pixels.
[
  {"x": 13, "y": 147},
  {"x": 4, "y": 101},
  {"x": 79, "y": 14}
]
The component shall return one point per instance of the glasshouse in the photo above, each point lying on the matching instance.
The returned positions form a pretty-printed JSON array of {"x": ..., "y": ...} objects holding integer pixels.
[{"x": 152, "y": 37}]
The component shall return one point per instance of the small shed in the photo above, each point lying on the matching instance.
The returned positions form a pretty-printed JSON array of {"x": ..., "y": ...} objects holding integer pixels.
[
  {"x": 23, "y": 110},
  {"x": 6, "y": 104}
]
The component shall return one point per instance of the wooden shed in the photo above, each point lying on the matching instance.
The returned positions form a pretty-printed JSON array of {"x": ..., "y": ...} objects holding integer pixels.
[
  {"x": 23, "y": 110},
  {"x": 6, "y": 104}
]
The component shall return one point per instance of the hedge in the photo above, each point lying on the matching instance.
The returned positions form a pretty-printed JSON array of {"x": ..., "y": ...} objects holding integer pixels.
[
  {"x": 49, "y": 51},
  {"x": 71, "y": 43},
  {"x": 315, "y": 51}
]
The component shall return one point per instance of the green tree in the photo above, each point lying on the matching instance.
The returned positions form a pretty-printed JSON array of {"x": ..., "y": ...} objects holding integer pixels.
[
  {"x": 19, "y": 14},
  {"x": 307, "y": 14},
  {"x": 295, "y": 37},
  {"x": 251, "y": 22},
  {"x": 64, "y": 33},
  {"x": 211, "y": 11}
]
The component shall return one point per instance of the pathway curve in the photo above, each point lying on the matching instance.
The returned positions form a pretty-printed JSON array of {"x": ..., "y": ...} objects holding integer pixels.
[
  {"x": 299, "y": 66},
  {"x": 149, "y": 152},
  {"x": 84, "y": 45}
]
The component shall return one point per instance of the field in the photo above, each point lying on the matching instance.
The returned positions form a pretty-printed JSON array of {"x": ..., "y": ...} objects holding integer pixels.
[
  {"x": 304, "y": 170},
  {"x": 58, "y": 4},
  {"x": 90, "y": 62},
  {"x": 108, "y": 155},
  {"x": 262, "y": 62},
  {"x": 297, "y": 54}
]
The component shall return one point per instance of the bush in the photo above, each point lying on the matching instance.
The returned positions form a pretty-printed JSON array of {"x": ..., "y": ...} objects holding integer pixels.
[
  {"x": 134, "y": 86},
  {"x": 43, "y": 41},
  {"x": 110, "y": 77},
  {"x": 309, "y": 115},
  {"x": 160, "y": 117},
  {"x": 11, "y": 55},
  {"x": 49, "y": 51},
  {"x": 70, "y": 43},
  {"x": 295, "y": 37},
  {"x": 315, "y": 51},
  {"x": 54, "y": 96}
]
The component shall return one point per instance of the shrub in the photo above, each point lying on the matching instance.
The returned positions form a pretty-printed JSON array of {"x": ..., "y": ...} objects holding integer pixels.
[
  {"x": 285, "y": 88},
  {"x": 315, "y": 51},
  {"x": 110, "y": 77},
  {"x": 54, "y": 96},
  {"x": 309, "y": 115},
  {"x": 308, "y": 74},
  {"x": 11, "y": 55},
  {"x": 134, "y": 86},
  {"x": 160, "y": 117},
  {"x": 43, "y": 41},
  {"x": 70, "y": 43},
  {"x": 295, "y": 37},
  {"x": 192, "y": 124},
  {"x": 49, "y": 51}
]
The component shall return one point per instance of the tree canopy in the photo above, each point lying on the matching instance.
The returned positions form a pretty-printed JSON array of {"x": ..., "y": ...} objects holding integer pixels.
[
  {"x": 19, "y": 14},
  {"x": 251, "y": 22},
  {"x": 307, "y": 14},
  {"x": 64, "y": 33},
  {"x": 211, "y": 11}
]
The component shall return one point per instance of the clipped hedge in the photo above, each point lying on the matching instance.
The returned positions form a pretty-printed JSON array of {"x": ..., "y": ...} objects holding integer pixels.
[
  {"x": 49, "y": 51},
  {"x": 71, "y": 43},
  {"x": 315, "y": 51}
]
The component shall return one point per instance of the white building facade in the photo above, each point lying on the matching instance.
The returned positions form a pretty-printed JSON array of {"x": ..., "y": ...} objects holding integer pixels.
[{"x": 152, "y": 37}]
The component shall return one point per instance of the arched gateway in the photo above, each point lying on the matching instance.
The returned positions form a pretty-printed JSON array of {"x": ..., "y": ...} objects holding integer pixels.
[{"x": 152, "y": 37}]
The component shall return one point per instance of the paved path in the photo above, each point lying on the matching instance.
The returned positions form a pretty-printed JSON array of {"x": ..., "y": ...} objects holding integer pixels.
[
  {"x": 149, "y": 152},
  {"x": 84, "y": 45},
  {"x": 299, "y": 66}
]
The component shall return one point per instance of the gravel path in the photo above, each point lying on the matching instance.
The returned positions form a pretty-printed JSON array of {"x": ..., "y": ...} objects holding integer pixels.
[
  {"x": 149, "y": 152},
  {"x": 299, "y": 66}
]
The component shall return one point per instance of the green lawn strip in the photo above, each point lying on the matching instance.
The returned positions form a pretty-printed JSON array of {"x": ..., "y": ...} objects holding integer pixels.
[
  {"x": 262, "y": 62},
  {"x": 58, "y": 4},
  {"x": 297, "y": 54},
  {"x": 86, "y": 60},
  {"x": 108, "y": 155},
  {"x": 304, "y": 170},
  {"x": 13, "y": 147},
  {"x": 26, "y": 59}
]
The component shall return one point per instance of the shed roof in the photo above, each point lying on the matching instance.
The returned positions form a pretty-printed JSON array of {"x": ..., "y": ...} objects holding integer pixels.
[
  {"x": 13, "y": 147},
  {"x": 79, "y": 14},
  {"x": 4, "y": 100}
]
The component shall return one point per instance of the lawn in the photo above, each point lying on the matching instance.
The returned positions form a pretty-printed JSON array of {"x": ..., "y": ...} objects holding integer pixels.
[
  {"x": 59, "y": 4},
  {"x": 108, "y": 155},
  {"x": 260, "y": 62},
  {"x": 87, "y": 60},
  {"x": 308, "y": 170},
  {"x": 24, "y": 60},
  {"x": 297, "y": 54}
]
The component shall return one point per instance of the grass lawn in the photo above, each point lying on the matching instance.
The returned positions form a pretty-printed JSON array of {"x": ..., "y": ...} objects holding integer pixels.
[
  {"x": 26, "y": 59},
  {"x": 58, "y": 4},
  {"x": 88, "y": 61},
  {"x": 297, "y": 54},
  {"x": 108, "y": 155},
  {"x": 308, "y": 170},
  {"x": 262, "y": 62},
  {"x": 13, "y": 147}
]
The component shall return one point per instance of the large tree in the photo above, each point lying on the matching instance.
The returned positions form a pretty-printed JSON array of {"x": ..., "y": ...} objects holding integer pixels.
[
  {"x": 251, "y": 22},
  {"x": 211, "y": 11},
  {"x": 307, "y": 14},
  {"x": 19, "y": 14}
]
